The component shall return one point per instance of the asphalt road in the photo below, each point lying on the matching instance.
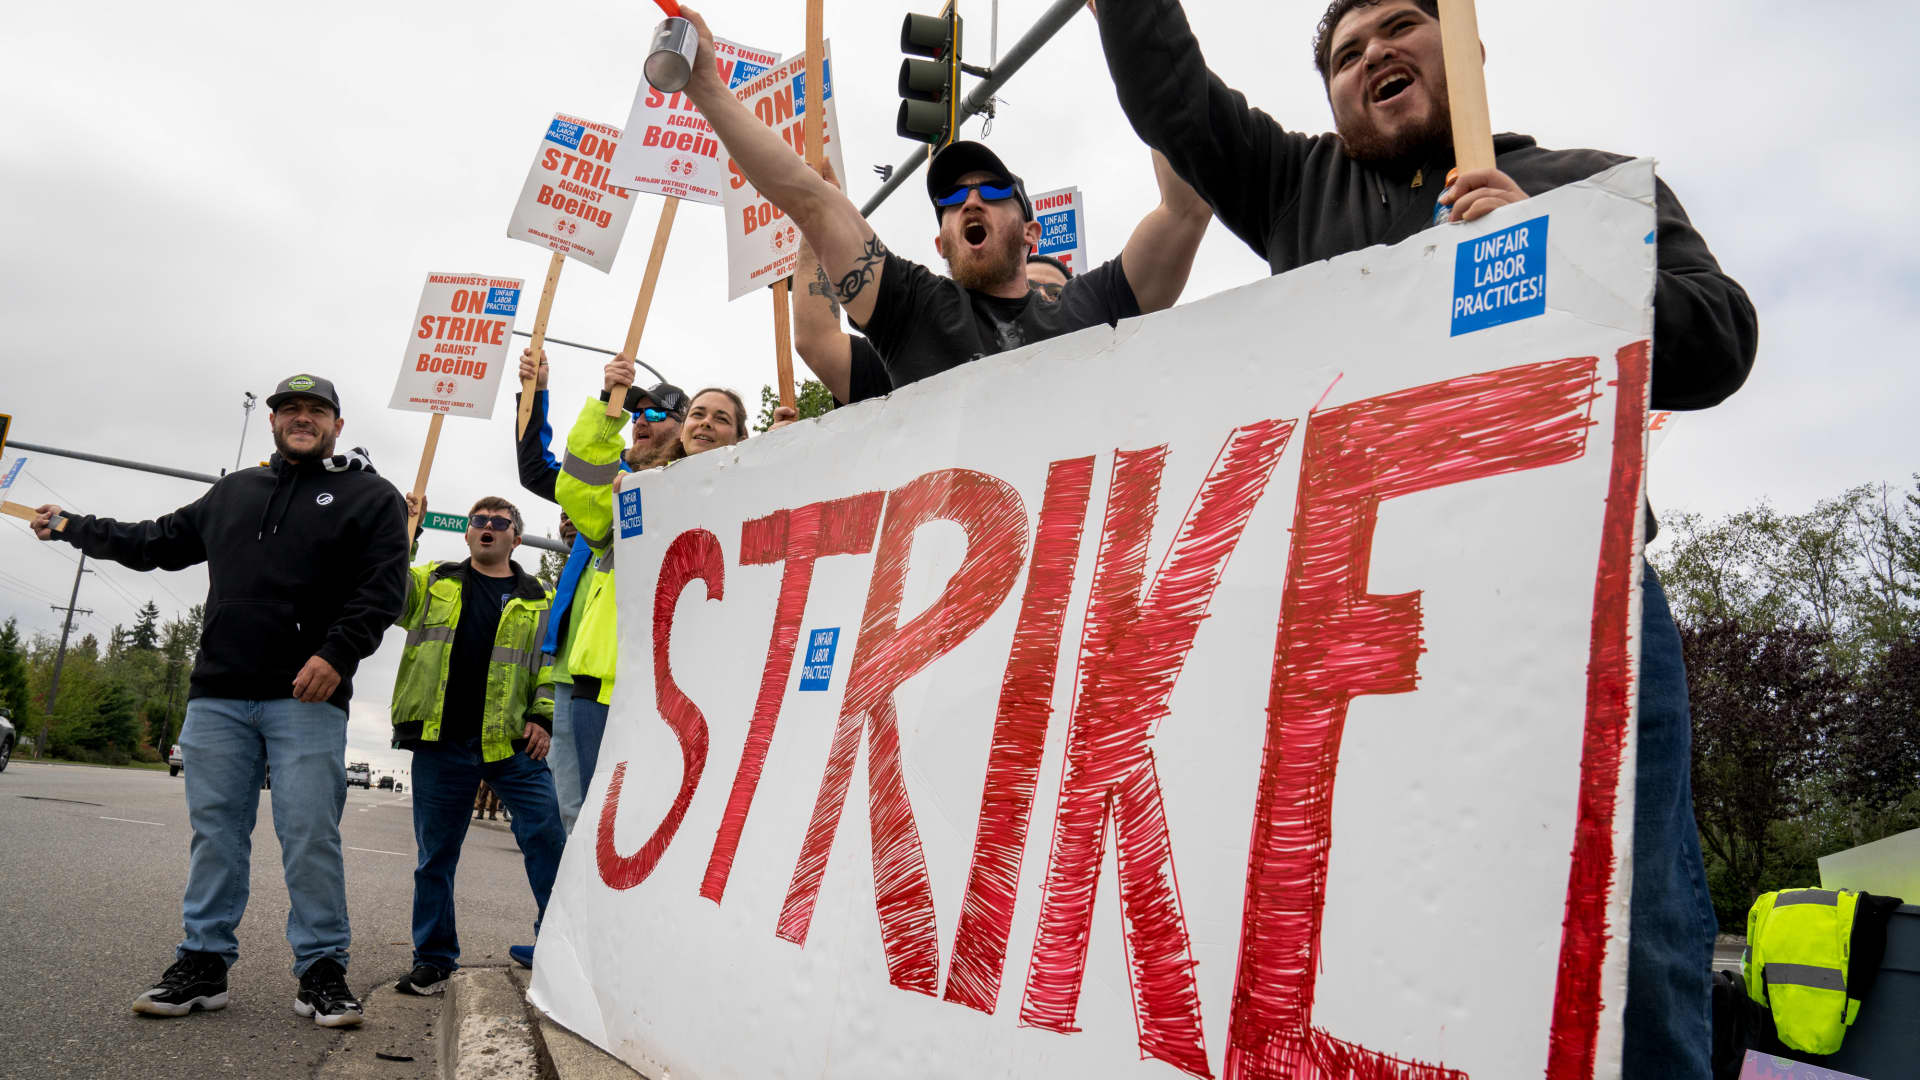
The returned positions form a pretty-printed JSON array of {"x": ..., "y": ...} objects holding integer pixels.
[{"x": 92, "y": 866}]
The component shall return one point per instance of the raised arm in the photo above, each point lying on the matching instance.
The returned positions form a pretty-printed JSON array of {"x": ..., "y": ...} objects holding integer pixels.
[
  {"x": 845, "y": 244},
  {"x": 1159, "y": 255},
  {"x": 817, "y": 337},
  {"x": 586, "y": 479},
  {"x": 538, "y": 469},
  {"x": 1235, "y": 156}
]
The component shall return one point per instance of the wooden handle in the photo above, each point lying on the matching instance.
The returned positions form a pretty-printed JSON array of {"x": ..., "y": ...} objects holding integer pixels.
[
  {"x": 783, "y": 343},
  {"x": 528, "y": 387},
  {"x": 617, "y": 399},
  {"x": 426, "y": 467},
  {"x": 1466, "y": 86},
  {"x": 28, "y": 513},
  {"x": 816, "y": 83}
]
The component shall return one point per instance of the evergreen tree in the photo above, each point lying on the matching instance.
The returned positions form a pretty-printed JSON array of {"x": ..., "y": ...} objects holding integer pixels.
[
  {"x": 810, "y": 399},
  {"x": 16, "y": 693},
  {"x": 146, "y": 628}
]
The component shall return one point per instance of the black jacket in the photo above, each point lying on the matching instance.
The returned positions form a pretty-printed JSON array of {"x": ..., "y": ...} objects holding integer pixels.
[
  {"x": 1298, "y": 199},
  {"x": 303, "y": 559}
]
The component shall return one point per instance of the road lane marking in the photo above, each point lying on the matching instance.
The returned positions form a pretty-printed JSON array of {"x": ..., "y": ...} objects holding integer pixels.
[
  {"x": 132, "y": 821},
  {"x": 376, "y": 851}
]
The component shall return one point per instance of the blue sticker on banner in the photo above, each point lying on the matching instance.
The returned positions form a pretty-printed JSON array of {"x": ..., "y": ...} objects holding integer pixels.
[
  {"x": 630, "y": 512},
  {"x": 503, "y": 301},
  {"x": 800, "y": 88},
  {"x": 817, "y": 671},
  {"x": 744, "y": 72},
  {"x": 567, "y": 135},
  {"x": 12, "y": 473},
  {"x": 1500, "y": 277},
  {"x": 1059, "y": 231}
]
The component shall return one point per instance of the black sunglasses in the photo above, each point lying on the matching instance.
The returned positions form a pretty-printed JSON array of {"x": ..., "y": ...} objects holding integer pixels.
[
  {"x": 988, "y": 192},
  {"x": 490, "y": 521}
]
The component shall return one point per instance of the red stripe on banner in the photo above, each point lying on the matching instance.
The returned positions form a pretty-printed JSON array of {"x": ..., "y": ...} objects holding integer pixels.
[
  {"x": 799, "y": 537},
  {"x": 886, "y": 656},
  {"x": 1132, "y": 653},
  {"x": 694, "y": 555},
  {"x": 1574, "y": 1038},
  {"x": 1019, "y": 740},
  {"x": 1335, "y": 641}
]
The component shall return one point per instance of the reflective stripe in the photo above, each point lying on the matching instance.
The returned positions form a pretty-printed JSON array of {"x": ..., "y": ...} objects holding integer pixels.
[
  {"x": 588, "y": 473},
  {"x": 1823, "y": 897},
  {"x": 604, "y": 563},
  {"x": 1820, "y": 978},
  {"x": 428, "y": 633},
  {"x": 509, "y": 656},
  {"x": 540, "y": 635},
  {"x": 545, "y": 693}
]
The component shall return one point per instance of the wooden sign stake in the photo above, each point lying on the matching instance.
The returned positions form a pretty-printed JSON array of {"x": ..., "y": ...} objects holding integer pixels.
[
  {"x": 426, "y": 466},
  {"x": 1466, "y": 86},
  {"x": 617, "y": 400},
  {"x": 539, "y": 341},
  {"x": 28, "y": 513},
  {"x": 816, "y": 152}
]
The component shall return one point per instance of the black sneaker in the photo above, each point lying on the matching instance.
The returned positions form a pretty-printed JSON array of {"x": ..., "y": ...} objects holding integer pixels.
[
  {"x": 325, "y": 996},
  {"x": 198, "y": 980},
  {"x": 424, "y": 979}
]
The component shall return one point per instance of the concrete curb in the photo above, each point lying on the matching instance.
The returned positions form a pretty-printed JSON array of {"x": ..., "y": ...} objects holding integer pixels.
[
  {"x": 568, "y": 1056},
  {"x": 487, "y": 1034}
]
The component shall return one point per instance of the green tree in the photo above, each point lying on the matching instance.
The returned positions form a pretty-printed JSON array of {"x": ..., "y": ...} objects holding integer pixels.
[
  {"x": 146, "y": 628},
  {"x": 16, "y": 691},
  {"x": 811, "y": 399},
  {"x": 551, "y": 565}
]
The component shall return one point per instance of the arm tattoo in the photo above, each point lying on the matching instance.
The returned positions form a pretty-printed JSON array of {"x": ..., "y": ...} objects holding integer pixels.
[
  {"x": 823, "y": 288},
  {"x": 863, "y": 271}
]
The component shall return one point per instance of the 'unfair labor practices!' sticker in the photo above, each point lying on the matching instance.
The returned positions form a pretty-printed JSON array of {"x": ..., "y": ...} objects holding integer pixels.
[
  {"x": 817, "y": 672},
  {"x": 502, "y": 301},
  {"x": 630, "y": 512},
  {"x": 1500, "y": 277}
]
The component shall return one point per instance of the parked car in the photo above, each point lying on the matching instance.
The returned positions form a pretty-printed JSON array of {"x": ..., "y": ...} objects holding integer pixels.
[
  {"x": 6, "y": 737},
  {"x": 359, "y": 773},
  {"x": 175, "y": 761},
  {"x": 386, "y": 783}
]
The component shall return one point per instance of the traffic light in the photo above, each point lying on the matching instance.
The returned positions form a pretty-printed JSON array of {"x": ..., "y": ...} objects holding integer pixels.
[{"x": 930, "y": 88}]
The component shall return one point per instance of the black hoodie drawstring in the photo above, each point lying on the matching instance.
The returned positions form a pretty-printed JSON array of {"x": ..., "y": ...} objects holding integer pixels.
[{"x": 287, "y": 469}]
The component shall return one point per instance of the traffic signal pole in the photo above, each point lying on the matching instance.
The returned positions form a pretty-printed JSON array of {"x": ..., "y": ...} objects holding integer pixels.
[{"x": 1017, "y": 55}]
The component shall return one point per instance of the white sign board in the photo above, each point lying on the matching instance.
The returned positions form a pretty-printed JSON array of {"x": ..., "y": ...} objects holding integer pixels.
[
  {"x": 1291, "y": 719},
  {"x": 673, "y": 150},
  {"x": 12, "y": 473},
  {"x": 763, "y": 243},
  {"x": 458, "y": 345},
  {"x": 1063, "y": 227},
  {"x": 569, "y": 204}
]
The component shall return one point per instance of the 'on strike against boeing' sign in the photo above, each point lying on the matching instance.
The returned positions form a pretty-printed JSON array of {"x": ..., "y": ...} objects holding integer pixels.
[{"x": 1283, "y": 730}]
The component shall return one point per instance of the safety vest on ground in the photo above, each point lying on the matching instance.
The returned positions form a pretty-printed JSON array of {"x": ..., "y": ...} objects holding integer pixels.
[
  {"x": 519, "y": 674},
  {"x": 1798, "y": 944},
  {"x": 585, "y": 490}
]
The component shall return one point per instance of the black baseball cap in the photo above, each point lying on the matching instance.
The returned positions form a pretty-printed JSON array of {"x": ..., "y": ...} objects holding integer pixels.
[
  {"x": 663, "y": 395},
  {"x": 958, "y": 159},
  {"x": 312, "y": 386}
]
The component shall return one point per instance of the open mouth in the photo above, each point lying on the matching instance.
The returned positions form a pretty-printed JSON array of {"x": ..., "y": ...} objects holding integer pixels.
[
  {"x": 486, "y": 538},
  {"x": 1392, "y": 86},
  {"x": 974, "y": 233}
]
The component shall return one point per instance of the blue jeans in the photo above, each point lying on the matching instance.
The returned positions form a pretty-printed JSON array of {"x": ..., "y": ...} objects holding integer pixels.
[
  {"x": 589, "y": 726},
  {"x": 228, "y": 746},
  {"x": 445, "y": 779},
  {"x": 563, "y": 757},
  {"x": 1669, "y": 1014}
]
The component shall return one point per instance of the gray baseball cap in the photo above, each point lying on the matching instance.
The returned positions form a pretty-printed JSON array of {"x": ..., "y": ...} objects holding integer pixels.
[{"x": 312, "y": 386}]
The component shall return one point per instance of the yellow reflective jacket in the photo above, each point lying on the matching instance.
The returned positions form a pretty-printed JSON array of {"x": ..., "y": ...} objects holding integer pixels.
[
  {"x": 519, "y": 675},
  {"x": 585, "y": 491},
  {"x": 1798, "y": 944}
]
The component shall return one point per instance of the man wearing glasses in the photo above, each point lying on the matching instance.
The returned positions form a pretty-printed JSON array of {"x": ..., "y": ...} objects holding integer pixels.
[
  {"x": 922, "y": 323},
  {"x": 474, "y": 701}
]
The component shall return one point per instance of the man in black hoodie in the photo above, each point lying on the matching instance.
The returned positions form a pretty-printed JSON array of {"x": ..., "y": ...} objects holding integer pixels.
[
  {"x": 306, "y": 568},
  {"x": 1382, "y": 177}
]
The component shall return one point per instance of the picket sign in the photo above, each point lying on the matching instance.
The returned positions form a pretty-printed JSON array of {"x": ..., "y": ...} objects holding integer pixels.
[
  {"x": 650, "y": 161},
  {"x": 1466, "y": 86},
  {"x": 569, "y": 206},
  {"x": 458, "y": 345},
  {"x": 763, "y": 244},
  {"x": 1062, "y": 215},
  {"x": 1284, "y": 729}
]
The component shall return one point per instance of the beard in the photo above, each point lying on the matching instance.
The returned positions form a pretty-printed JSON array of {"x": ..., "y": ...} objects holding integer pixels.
[
  {"x": 324, "y": 449},
  {"x": 1430, "y": 137},
  {"x": 994, "y": 267}
]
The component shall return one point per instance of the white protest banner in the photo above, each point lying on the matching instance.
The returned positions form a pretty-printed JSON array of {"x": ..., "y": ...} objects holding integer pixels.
[
  {"x": 461, "y": 334},
  {"x": 569, "y": 204},
  {"x": 762, "y": 245},
  {"x": 1288, "y": 722},
  {"x": 673, "y": 150},
  {"x": 1063, "y": 227}
]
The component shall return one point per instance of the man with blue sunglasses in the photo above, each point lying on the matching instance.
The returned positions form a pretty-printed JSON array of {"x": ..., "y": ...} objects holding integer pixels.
[{"x": 921, "y": 322}]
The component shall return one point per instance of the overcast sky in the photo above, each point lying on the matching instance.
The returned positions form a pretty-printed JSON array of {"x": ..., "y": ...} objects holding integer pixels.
[{"x": 200, "y": 199}]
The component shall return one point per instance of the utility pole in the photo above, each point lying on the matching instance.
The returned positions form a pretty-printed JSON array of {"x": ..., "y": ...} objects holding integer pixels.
[
  {"x": 246, "y": 406},
  {"x": 59, "y": 658}
]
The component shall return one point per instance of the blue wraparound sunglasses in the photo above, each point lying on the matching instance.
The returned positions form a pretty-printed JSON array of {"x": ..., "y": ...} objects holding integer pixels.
[
  {"x": 988, "y": 192},
  {"x": 654, "y": 416}
]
